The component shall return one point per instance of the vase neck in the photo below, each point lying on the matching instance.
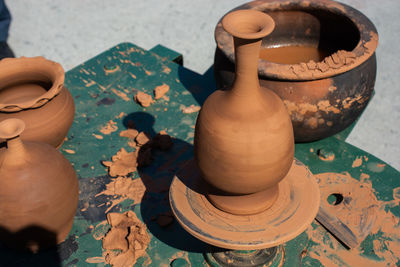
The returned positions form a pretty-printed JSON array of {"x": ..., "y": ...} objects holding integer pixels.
[
  {"x": 246, "y": 57},
  {"x": 15, "y": 154}
]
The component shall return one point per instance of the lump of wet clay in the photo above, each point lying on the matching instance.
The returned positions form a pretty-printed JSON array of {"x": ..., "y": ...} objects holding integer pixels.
[
  {"x": 122, "y": 163},
  {"x": 126, "y": 241},
  {"x": 145, "y": 100},
  {"x": 130, "y": 133},
  {"x": 115, "y": 239},
  {"x": 160, "y": 91},
  {"x": 142, "y": 139},
  {"x": 162, "y": 141},
  {"x": 144, "y": 156},
  {"x": 165, "y": 219}
]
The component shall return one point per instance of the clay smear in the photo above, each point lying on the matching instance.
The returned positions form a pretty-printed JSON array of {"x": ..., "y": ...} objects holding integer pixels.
[
  {"x": 109, "y": 128},
  {"x": 367, "y": 215},
  {"x": 160, "y": 91},
  {"x": 357, "y": 162},
  {"x": 190, "y": 109},
  {"x": 122, "y": 163},
  {"x": 126, "y": 241},
  {"x": 121, "y": 94},
  {"x": 130, "y": 133},
  {"x": 122, "y": 188}
]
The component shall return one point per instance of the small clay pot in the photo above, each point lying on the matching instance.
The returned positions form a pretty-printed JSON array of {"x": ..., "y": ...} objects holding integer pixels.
[
  {"x": 38, "y": 191},
  {"x": 32, "y": 89},
  {"x": 320, "y": 59},
  {"x": 243, "y": 142}
]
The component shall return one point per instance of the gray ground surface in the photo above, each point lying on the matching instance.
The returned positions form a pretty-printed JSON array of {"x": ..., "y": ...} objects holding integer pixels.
[{"x": 73, "y": 31}]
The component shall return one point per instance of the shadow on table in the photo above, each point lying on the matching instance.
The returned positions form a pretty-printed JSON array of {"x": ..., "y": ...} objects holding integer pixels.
[
  {"x": 32, "y": 238},
  {"x": 200, "y": 86},
  {"x": 155, "y": 209}
]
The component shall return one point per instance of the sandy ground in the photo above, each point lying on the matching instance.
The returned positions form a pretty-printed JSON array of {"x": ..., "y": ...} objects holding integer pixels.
[{"x": 74, "y": 31}]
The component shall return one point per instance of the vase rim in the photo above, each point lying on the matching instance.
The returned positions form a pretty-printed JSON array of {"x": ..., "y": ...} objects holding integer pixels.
[
  {"x": 24, "y": 65},
  {"x": 248, "y": 24},
  {"x": 11, "y": 128},
  {"x": 363, "y": 50}
]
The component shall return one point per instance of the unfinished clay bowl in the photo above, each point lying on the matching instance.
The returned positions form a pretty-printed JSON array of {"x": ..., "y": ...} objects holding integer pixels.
[
  {"x": 243, "y": 142},
  {"x": 38, "y": 191},
  {"x": 320, "y": 59},
  {"x": 32, "y": 89}
]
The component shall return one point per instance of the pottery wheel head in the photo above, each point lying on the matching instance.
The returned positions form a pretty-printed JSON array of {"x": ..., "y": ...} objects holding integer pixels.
[
  {"x": 11, "y": 128},
  {"x": 248, "y": 24},
  {"x": 293, "y": 211}
]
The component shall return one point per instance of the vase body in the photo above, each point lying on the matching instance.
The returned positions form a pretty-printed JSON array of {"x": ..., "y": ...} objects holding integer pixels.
[
  {"x": 32, "y": 89},
  {"x": 38, "y": 195},
  {"x": 323, "y": 92},
  {"x": 244, "y": 137}
]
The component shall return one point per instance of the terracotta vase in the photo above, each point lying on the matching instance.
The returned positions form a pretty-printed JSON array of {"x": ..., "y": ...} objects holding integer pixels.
[
  {"x": 244, "y": 141},
  {"x": 320, "y": 59},
  {"x": 38, "y": 191},
  {"x": 32, "y": 89}
]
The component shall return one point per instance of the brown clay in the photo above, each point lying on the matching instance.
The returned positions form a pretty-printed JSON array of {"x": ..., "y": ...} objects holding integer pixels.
[
  {"x": 160, "y": 91},
  {"x": 38, "y": 191},
  {"x": 126, "y": 241},
  {"x": 190, "y": 109},
  {"x": 244, "y": 141},
  {"x": 145, "y": 100},
  {"x": 32, "y": 89}
]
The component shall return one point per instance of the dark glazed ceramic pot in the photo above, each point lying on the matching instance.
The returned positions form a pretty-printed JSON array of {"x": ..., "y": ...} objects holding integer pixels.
[
  {"x": 320, "y": 59},
  {"x": 32, "y": 89},
  {"x": 38, "y": 191}
]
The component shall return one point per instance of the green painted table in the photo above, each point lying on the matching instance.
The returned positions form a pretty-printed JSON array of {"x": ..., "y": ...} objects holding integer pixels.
[{"x": 103, "y": 88}]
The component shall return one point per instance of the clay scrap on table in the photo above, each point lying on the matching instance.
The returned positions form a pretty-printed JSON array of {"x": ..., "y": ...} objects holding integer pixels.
[
  {"x": 160, "y": 91},
  {"x": 190, "y": 109},
  {"x": 145, "y": 100},
  {"x": 126, "y": 241},
  {"x": 124, "y": 163}
]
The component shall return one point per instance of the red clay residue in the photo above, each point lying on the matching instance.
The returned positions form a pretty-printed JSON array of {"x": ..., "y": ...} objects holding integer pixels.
[
  {"x": 130, "y": 133},
  {"x": 357, "y": 162},
  {"x": 111, "y": 70},
  {"x": 109, "y": 128},
  {"x": 160, "y": 91},
  {"x": 122, "y": 163},
  {"x": 166, "y": 70},
  {"x": 120, "y": 94},
  {"x": 124, "y": 188},
  {"x": 126, "y": 241},
  {"x": 365, "y": 215},
  {"x": 145, "y": 100},
  {"x": 69, "y": 151},
  {"x": 190, "y": 109},
  {"x": 98, "y": 136}
]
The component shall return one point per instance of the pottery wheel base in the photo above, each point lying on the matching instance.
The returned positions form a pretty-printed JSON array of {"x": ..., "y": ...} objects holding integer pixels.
[
  {"x": 294, "y": 210},
  {"x": 271, "y": 257}
]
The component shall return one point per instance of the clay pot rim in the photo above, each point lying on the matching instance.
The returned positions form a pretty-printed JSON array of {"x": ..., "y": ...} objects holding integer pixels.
[
  {"x": 53, "y": 69},
  {"x": 364, "y": 49}
]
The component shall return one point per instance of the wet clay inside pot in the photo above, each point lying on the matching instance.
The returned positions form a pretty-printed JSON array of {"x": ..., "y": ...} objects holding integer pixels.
[
  {"x": 304, "y": 35},
  {"x": 292, "y": 54}
]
